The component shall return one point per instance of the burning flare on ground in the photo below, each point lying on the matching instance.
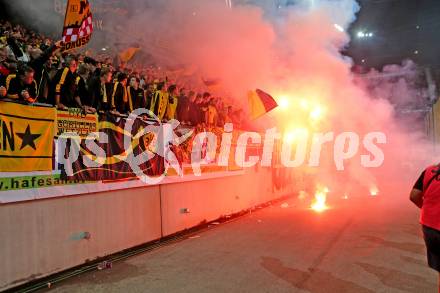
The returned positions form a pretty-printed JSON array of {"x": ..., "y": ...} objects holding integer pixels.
[
  {"x": 374, "y": 191},
  {"x": 319, "y": 204}
]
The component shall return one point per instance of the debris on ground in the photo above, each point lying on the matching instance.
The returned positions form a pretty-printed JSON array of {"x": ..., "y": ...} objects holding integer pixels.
[{"x": 104, "y": 265}]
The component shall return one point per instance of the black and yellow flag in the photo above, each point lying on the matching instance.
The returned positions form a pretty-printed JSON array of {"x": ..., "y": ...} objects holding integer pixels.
[
  {"x": 78, "y": 25},
  {"x": 26, "y": 137}
]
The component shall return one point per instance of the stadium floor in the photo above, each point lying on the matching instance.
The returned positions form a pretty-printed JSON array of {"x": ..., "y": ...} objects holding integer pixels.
[{"x": 368, "y": 245}]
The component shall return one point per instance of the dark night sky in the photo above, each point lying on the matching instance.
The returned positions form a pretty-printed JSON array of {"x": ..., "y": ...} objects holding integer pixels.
[{"x": 396, "y": 36}]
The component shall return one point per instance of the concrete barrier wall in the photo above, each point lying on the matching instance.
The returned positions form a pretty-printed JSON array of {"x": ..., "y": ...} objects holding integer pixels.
[
  {"x": 206, "y": 200},
  {"x": 43, "y": 237}
]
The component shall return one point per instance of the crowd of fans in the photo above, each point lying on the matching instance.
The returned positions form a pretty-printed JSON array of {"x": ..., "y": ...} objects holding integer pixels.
[{"x": 33, "y": 70}]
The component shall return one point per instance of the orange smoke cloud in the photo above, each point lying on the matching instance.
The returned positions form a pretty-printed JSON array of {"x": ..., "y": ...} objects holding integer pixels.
[{"x": 295, "y": 56}]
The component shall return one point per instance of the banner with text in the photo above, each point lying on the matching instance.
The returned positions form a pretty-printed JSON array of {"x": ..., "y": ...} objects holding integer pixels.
[
  {"x": 26, "y": 137},
  {"x": 75, "y": 120}
]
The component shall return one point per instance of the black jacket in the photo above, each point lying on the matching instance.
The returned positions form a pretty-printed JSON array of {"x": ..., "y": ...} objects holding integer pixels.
[{"x": 96, "y": 92}]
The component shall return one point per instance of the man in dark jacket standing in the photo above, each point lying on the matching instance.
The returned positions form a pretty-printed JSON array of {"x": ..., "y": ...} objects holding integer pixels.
[
  {"x": 43, "y": 66},
  {"x": 136, "y": 94},
  {"x": 100, "y": 89},
  {"x": 66, "y": 85},
  {"x": 121, "y": 101}
]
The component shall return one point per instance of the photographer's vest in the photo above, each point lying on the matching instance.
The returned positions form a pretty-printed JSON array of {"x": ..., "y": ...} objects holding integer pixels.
[{"x": 430, "y": 215}]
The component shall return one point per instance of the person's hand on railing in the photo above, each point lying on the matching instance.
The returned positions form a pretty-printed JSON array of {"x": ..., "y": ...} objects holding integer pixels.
[
  {"x": 61, "y": 107},
  {"x": 3, "y": 92},
  {"x": 115, "y": 112},
  {"x": 30, "y": 100},
  {"x": 89, "y": 110},
  {"x": 25, "y": 95}
]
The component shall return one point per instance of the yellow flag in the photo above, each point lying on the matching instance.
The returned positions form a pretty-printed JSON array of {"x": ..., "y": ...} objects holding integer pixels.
[
  {"x": 78, "y": 25},
  {"x": 128, "y": 54},
  {"x": 26, "y": 137}
]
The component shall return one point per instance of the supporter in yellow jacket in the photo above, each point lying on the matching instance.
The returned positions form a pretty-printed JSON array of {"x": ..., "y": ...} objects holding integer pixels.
[
  {"x": 159, "y": 101},
  {"x": 172, "y": 102},
  {"x": 162, "y": 105}
]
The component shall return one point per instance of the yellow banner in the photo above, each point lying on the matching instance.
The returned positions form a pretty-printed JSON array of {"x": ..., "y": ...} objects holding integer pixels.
[
  {"x": 26, "y": 134},
  {"x": 74, "y": 120}
]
